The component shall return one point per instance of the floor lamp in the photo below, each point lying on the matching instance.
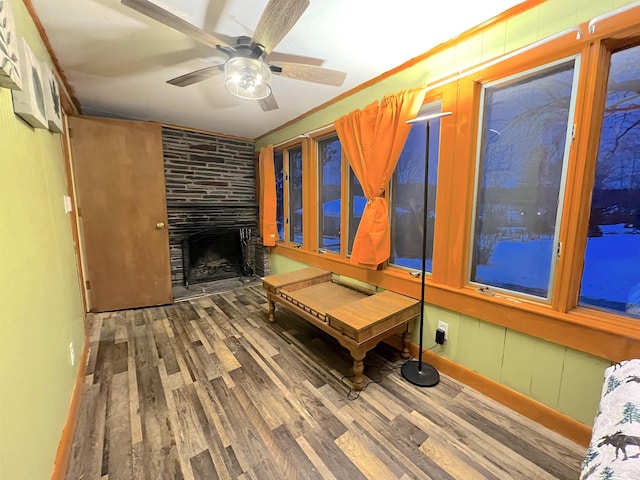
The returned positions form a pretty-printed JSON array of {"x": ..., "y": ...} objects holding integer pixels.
[{"x": 416, "y": 371}]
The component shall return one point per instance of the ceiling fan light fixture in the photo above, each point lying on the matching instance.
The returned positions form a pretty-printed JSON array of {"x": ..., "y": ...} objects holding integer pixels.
[{"x": 247, "y": 78}]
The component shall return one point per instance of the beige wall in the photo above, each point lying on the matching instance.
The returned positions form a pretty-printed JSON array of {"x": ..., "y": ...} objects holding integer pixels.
[{"x": 41, "y": 310}]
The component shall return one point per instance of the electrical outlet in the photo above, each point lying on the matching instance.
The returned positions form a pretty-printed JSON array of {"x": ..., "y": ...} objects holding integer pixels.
[
  {"x": 72, "y": 354},
  {"x": 444, "y": 326}
]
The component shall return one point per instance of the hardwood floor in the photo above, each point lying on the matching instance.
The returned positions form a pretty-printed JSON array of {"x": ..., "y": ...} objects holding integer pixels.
[{"x": 207, "y": 388}]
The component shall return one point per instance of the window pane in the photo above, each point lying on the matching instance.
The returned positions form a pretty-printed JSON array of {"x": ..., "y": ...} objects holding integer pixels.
[
  {"x": 357, "y": 201},
  {"x": 279, "y": 168},
  {"x": 611, "y": 275},
  {"x": 407, "y": 190},
  {"x": 523, "y": 145},
  {"x": 329, "y": 173},
  {"x": 295, "y": 195}
]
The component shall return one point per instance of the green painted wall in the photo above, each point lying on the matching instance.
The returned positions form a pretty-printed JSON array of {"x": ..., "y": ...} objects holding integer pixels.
[
  {"x": 546, "y": 19},
  {"x": 41, "y": 310},
  {"x": 564, "y": 379}
]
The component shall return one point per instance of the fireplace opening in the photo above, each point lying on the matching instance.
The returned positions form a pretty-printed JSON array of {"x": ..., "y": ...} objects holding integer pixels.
[{"x": 213, "y": 255}]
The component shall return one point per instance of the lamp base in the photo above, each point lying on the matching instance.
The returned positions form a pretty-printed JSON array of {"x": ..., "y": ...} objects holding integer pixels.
[{"x": 427, "y": 377}]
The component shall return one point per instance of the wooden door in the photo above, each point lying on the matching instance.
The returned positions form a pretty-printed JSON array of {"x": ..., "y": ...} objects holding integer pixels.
[{"x": 119, "y": 176}]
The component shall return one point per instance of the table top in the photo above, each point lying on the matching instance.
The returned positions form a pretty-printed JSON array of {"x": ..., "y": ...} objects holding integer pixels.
[
  {"x": 373, "y": 309},
  {"x": 325, "y": 296},
  {"x": 280, "y": 280}
]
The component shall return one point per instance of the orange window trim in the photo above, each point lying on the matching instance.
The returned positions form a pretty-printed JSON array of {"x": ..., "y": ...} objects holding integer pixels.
[
  {"x": 602, "y": 335},
  {"x": 610, "y": 336}
]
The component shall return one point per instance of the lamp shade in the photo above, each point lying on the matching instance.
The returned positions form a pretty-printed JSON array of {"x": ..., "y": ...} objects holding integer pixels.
[{"x": 247, "y": 78}]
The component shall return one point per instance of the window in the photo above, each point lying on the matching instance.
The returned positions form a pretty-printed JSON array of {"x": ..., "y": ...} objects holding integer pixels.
[
  {"x": 523, "y": 146},
  {"x": 407, "y": 191},
  {"x": 295, "y": 194},
  {"x": 329, "y": 187},
  {"x": 279, "y": 171},
  {"x": 610, "y": 278},
  {"x": 357, "y": 201},
  {"x": 503, "y": 212}
]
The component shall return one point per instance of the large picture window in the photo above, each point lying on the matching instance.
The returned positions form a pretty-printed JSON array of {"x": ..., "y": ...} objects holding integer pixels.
[
  {"x": 542, "y": 147},
  {"x": 329, "y": 187},
  {"x": 407, "y": 190},
  {"x": 295, "y": 195},
  {"x": 610, "y": 279},
  {"x": 524, "y": 143}
]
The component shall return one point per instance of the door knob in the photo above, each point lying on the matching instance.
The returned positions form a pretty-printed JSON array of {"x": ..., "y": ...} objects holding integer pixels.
[{"x": 160, "y": 225}]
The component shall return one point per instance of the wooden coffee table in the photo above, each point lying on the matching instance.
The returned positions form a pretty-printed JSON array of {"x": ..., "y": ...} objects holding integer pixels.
[{"x": 357, "y": 320}]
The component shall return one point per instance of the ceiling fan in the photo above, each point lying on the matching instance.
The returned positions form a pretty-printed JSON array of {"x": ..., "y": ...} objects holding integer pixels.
[{"x": 251, "y": 60}]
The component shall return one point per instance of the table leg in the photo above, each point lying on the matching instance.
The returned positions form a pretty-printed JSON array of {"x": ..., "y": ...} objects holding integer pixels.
[
  {"x": 405, "y": 344},
  {"x": 358, "y": 368},
  {"x": 272, "y": 310}
]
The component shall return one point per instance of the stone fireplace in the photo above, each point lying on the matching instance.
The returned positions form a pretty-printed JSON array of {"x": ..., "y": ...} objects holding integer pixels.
[
  {"x": 211, "y": 199},
  {"x": 215, "y": 255}
]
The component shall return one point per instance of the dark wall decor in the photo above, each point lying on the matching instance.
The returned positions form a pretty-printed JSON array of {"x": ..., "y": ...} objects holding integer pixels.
[{"x": 211, "y": 187}]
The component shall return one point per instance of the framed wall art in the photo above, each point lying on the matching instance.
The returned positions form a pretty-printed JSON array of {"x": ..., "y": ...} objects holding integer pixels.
[
  {"x": 29, "y": 103},
  {"x": 52, "y": 99},
  {"x": 10, "y": 74}
]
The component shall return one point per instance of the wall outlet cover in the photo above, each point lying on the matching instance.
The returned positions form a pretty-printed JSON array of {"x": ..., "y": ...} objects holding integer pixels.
[{"x": 445, "y": 327}]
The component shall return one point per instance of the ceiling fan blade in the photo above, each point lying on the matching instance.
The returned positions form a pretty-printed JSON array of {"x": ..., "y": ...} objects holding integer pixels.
[
  {"x": 159, "y": 14},
  {"x": 197, "y": 76},
  {"x": 278, "y": 18},
  {"x": 287, "y": 57},
  {"x": 269, "y": 103},
  {"x": 311, "y": 73}
]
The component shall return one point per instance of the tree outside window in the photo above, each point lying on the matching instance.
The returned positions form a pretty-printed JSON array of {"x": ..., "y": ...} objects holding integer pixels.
[
  {"x": 524, "y": 144},
  {"x": 295, "y": 195},
  {"x": 279, "y": 173},
  {"x": 407, "y": 196},
  {"x": 329, "y": 178},
  {"x": 611, "y": 275}
]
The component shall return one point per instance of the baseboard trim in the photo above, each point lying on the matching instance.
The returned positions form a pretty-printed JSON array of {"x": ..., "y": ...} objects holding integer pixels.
[
  {"x": 66, "y": 439},
  {"x": 536, "y": 411}
]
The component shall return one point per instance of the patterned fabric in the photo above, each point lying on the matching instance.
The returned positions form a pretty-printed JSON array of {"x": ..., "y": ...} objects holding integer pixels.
[{"x": 614, "y": 451}]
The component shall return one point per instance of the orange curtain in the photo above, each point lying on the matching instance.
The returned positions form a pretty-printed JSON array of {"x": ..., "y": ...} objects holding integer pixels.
[
  {"x": 373, "y": 139},
  {"x": 267, "y": 196}
]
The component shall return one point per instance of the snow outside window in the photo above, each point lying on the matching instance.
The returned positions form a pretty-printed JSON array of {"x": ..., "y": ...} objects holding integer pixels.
[
  {"x": 329, "y": 178},
  {"x": 295, "y": 195},
  {"x": 279, "y": 171},
  {"x": 407, "y": 195},
  {"x": 611, "y": 275},
  {"x": 523, "y": 146}
]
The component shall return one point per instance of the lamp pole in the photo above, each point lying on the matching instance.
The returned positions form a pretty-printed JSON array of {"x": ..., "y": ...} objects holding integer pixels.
[{"x": 415, "y": 371}]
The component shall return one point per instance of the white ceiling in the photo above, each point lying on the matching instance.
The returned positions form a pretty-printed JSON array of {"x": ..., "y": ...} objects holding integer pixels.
[{"x": 117, "y": 61}]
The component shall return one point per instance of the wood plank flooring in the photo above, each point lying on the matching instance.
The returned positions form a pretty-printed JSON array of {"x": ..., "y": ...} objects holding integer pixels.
[{"x": 208, "y": 389}]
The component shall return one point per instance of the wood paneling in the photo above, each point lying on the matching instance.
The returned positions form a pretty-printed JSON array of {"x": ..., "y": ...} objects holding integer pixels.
[
  {"x": 517, "y": 365},
  {"x": 468, "y": 341},
  {"x": 490, "y": 350},
  {"x": 546, "y": 377},
  {"x": 582, "y": 377},
  {"x": 546, "y": 416}
]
